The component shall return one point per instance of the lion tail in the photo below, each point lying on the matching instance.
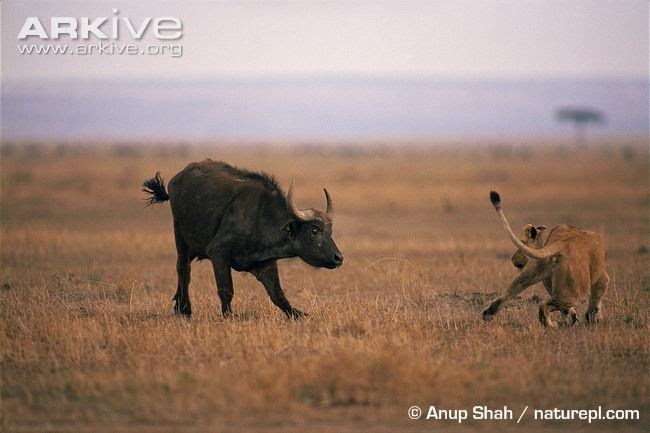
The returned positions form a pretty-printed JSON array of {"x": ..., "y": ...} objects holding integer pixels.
[{"x": 543, "y": 253}]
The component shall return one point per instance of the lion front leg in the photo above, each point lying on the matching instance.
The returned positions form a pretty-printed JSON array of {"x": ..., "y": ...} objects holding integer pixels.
[
  {"x": 570, "y": 317},
  {"x": 545, "y": 310},
  {"x": 532, "y": 273}
]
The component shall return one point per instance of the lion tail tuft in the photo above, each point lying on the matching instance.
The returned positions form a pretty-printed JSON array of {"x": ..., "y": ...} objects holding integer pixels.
[{"x": 495, "y": 198}]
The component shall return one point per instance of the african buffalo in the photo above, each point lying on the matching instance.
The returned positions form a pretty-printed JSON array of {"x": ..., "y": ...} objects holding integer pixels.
[{"x": 241, "y": 220}]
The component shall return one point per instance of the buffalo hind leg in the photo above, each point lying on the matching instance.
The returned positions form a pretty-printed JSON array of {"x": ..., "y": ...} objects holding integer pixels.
[
  {"x": 598, "y": 290},
  {"x": 183, "y": 269},
  {"x": 532, "y": 273},
  {"x": 267, "y": 274},
  {"x": 225, "y": 290}
]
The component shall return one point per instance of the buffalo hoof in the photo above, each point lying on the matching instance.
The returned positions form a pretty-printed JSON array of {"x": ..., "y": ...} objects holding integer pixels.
[
  {"x": 228, "y": 314},
  {"x": 183, "y": 310},
  {"x": 295, "y": 314}
]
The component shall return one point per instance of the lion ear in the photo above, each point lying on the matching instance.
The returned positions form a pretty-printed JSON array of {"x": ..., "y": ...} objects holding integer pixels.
[
  {"x": 541, "y": 228},
  {"x": 529, "y": 229}
]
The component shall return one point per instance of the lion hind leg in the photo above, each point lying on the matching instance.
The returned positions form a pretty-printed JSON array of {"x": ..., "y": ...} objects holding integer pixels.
[
  {"x": 532, "y": 273},
  {"x": 569, "y": 282},
  {"x": 598, "y": 290}
]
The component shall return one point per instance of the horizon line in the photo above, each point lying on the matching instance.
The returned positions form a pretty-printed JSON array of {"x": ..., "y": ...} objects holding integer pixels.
[{"x": 299, "y": 76}]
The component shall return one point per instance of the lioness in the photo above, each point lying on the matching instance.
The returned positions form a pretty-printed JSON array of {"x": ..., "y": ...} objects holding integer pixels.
[{"x": 570, "y": 263}]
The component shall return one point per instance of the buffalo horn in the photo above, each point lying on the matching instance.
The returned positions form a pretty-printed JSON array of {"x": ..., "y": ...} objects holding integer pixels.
[
  {"x": 330, "y": 208},
  {"x": 302, "y": 216}
]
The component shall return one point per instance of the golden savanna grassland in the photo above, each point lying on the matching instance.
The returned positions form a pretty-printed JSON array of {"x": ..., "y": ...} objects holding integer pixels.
[{"x": 90, "y": 341}]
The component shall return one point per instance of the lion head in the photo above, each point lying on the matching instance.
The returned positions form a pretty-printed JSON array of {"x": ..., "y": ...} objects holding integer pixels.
[{"x": 532, "y": 237}]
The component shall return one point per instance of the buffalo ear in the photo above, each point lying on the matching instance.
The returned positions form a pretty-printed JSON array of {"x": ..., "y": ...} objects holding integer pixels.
[
  {"x": 290, "y": 228},
  {"x": 287, "y": 228}
]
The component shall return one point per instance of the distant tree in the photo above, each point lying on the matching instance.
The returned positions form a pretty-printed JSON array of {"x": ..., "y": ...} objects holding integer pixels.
[{"x": 580, "y": 117}]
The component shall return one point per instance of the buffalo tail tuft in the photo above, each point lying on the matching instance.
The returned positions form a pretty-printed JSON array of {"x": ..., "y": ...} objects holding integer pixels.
[{"x": 156, "y": 188}]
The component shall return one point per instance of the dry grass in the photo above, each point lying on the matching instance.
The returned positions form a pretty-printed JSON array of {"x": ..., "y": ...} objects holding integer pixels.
[{"x": 90, "y": 343}]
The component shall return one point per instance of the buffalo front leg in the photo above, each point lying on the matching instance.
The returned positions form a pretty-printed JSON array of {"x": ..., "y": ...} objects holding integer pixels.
[
  {"x": 532, "y": 273},
  {"x": 225, "y": 290},
  {"x": 267, "y": 274}
]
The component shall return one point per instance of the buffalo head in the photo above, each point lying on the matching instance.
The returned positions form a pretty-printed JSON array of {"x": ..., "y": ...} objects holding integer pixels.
[{"x": 310, "y": 233}]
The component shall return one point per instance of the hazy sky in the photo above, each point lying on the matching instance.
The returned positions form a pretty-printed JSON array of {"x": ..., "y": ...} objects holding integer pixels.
[{"x": 458, "y": 38}]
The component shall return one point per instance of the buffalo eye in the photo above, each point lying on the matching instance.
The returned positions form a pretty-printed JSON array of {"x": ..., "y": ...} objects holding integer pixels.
[{"x": 315, "y": 230}]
